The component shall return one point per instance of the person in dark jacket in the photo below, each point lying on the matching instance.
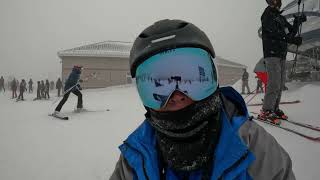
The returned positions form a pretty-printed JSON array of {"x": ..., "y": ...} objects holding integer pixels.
[
  {"x": 22, "y": 88},
  {"x": 47, "y": 89},
  {"x": 39, "y": 87},
  {"x": 51, "y": 85},
  {"x": 42, "y": 89},
  {"x": 2, "y": 84},
  {"x": 277, "y": 32},
  {"x": 259, "y": 87},
  {"x": 14, "y": 87},
  {"x": 18, "y": 84},
  {"x": 59, "y": 86},
  {"x": 72, "y": 86},
  {"x": 245, "y": 82},
  {"x": 192, "y": 130},
  {"x": 30, "y": 83}
]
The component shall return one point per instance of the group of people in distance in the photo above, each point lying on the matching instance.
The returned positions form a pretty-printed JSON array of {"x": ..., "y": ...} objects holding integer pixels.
[{"x": 43, "y": 88}]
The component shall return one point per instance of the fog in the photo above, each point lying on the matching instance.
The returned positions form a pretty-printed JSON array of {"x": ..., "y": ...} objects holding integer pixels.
[{"x": 32, "y": 32}]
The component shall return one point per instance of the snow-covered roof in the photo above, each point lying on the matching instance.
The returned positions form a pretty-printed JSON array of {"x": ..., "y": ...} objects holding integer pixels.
[
  {"x": 101, "y": 49},
  {"x": 122, "y": 50}
]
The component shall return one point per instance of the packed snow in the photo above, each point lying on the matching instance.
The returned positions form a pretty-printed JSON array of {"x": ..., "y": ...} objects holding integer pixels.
[{"x": 34, "y": 146}]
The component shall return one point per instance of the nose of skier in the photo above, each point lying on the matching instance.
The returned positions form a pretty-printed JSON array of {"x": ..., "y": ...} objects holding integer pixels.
[{"x": 177, "y": 101}]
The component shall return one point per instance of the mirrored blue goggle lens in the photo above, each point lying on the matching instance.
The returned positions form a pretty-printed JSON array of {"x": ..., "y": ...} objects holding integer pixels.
[{"x": 189, "y": 70}]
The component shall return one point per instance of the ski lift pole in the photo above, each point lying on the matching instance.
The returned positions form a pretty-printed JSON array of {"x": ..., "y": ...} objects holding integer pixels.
[{"x": 299, "y": 34}]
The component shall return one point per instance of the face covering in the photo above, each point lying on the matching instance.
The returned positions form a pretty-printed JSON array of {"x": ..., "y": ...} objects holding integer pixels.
[{"x": 187, "y": 137}]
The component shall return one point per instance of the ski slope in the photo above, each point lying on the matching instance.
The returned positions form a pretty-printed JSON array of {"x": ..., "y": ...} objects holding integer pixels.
[{"x": 34, "y": 146}]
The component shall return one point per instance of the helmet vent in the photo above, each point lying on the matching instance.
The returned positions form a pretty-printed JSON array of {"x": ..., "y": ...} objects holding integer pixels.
[
  {"x": 182, "y": 25},
  {"x": 143, "y": 35}
]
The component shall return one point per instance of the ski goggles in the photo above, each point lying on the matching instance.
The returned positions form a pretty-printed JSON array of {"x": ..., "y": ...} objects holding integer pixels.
[{"x": 188, "y": 70}]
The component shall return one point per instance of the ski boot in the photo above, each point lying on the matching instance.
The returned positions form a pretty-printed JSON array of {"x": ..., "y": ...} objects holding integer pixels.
[
  {"x": 56, "y": 113},
  {"x": 269, "y": 116},
  {"x": 281, "y": 114},
  {"x": 79, "y": 109}
]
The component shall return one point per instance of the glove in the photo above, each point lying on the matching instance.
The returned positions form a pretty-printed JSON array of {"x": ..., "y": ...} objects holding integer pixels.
[
  {"x": 300, "y": 19},
  {"x": 303, "y": 17},
  {"x": 297, "y": 40}
]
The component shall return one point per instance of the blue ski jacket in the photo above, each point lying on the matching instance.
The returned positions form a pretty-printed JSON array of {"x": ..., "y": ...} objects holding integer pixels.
[
  {"x": 244, "y": 151},
  {"x": 72, "y": 80}
]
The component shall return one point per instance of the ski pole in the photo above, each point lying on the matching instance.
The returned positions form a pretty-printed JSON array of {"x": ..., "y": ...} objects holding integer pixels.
[
  {"x": 251, "y": 98},
  {"x": 293, "y": 69},
  {"x": 252, "y": 92}
]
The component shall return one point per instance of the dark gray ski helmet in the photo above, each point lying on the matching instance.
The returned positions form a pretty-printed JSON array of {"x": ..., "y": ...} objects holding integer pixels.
[
  {"x": 164, "y": 35},
  {"x": 270, "y": 2}
]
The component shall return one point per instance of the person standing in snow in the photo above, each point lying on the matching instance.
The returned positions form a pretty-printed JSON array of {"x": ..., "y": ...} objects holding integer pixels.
[
  {"x": 46, "y": 89},
  {"x": 71, "y": 86},
  {"x": 51, "y": 85},
  {"x": 22, "y": 88},
  {"x": 38, "y": 91},
  {"x": 18, "y": 84},
  {"x": 194, "y": 130},
  {"x": 14, "y": 87},
  {"x": 245, "y": 82},
  {"x": 42, "y": 89},
  {"x": 276, "y": 33},
  {"x": 59, "y": 86},
  {"x": 259, "y": 85},
  {"x": 30, "y": 83},
  {"x": 2, "y": 84}
]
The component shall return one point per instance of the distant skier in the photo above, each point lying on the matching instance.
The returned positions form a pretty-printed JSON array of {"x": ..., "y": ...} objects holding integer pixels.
[
  {"x": 18, "y": 84},
  {"x": 46, "y": 90},
  {"x": 2, "y": 84},
  {"x": 42, "y": 89},
  {"x": 14, "y": 87},
  {"x": 276, "y": 33},
  {"x": 245, "y": 82},
  {"x": 259, "y": 85},
  {"x": 38, "y": 90},
  {"x": 9, "y": 85},
  {"x": 30, "y": 83},
  {"x": 51, "y": 85},
  {"x": 59, "y": 86},
  {"x": 71, "y": 86},
  {"x": 22, "y": 88}
]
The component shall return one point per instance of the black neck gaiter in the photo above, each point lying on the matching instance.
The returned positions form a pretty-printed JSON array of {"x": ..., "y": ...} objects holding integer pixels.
[{"x": 187, "y": 138}]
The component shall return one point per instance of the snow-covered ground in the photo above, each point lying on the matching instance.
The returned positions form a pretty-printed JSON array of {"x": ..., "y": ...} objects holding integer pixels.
[{"x": 34, "y": 146}]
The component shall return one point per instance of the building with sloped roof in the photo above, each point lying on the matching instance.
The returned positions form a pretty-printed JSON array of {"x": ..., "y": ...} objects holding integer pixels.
[{"x": 107, "y": 64}]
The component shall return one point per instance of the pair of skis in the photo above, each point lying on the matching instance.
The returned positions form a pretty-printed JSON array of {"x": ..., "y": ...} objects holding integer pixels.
[
  {"x": 62, "y": 117},
  {"x": 59, "y": 116},
  {"x": 308, "y": 126},
  {"x": 282, "y": 102}
]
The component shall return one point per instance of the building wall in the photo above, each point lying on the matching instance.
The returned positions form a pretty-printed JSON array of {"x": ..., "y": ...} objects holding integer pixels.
[
  {"x": 98, "y": 71},
  {"x": 229, "y": 75}
]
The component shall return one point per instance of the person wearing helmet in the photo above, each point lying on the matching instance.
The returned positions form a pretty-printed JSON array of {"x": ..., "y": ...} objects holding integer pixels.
[
  {"x": 277, "y": 32},
  {"x": 2, "y": 84},
  {"x": 193, "y": 129},
  {"x": 245, "y": 82},
  {"x": 71, "y": 85}
]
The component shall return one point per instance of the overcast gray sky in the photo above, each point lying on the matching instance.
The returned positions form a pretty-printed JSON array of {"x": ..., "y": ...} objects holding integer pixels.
[{"x": 33, "y": 31}]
